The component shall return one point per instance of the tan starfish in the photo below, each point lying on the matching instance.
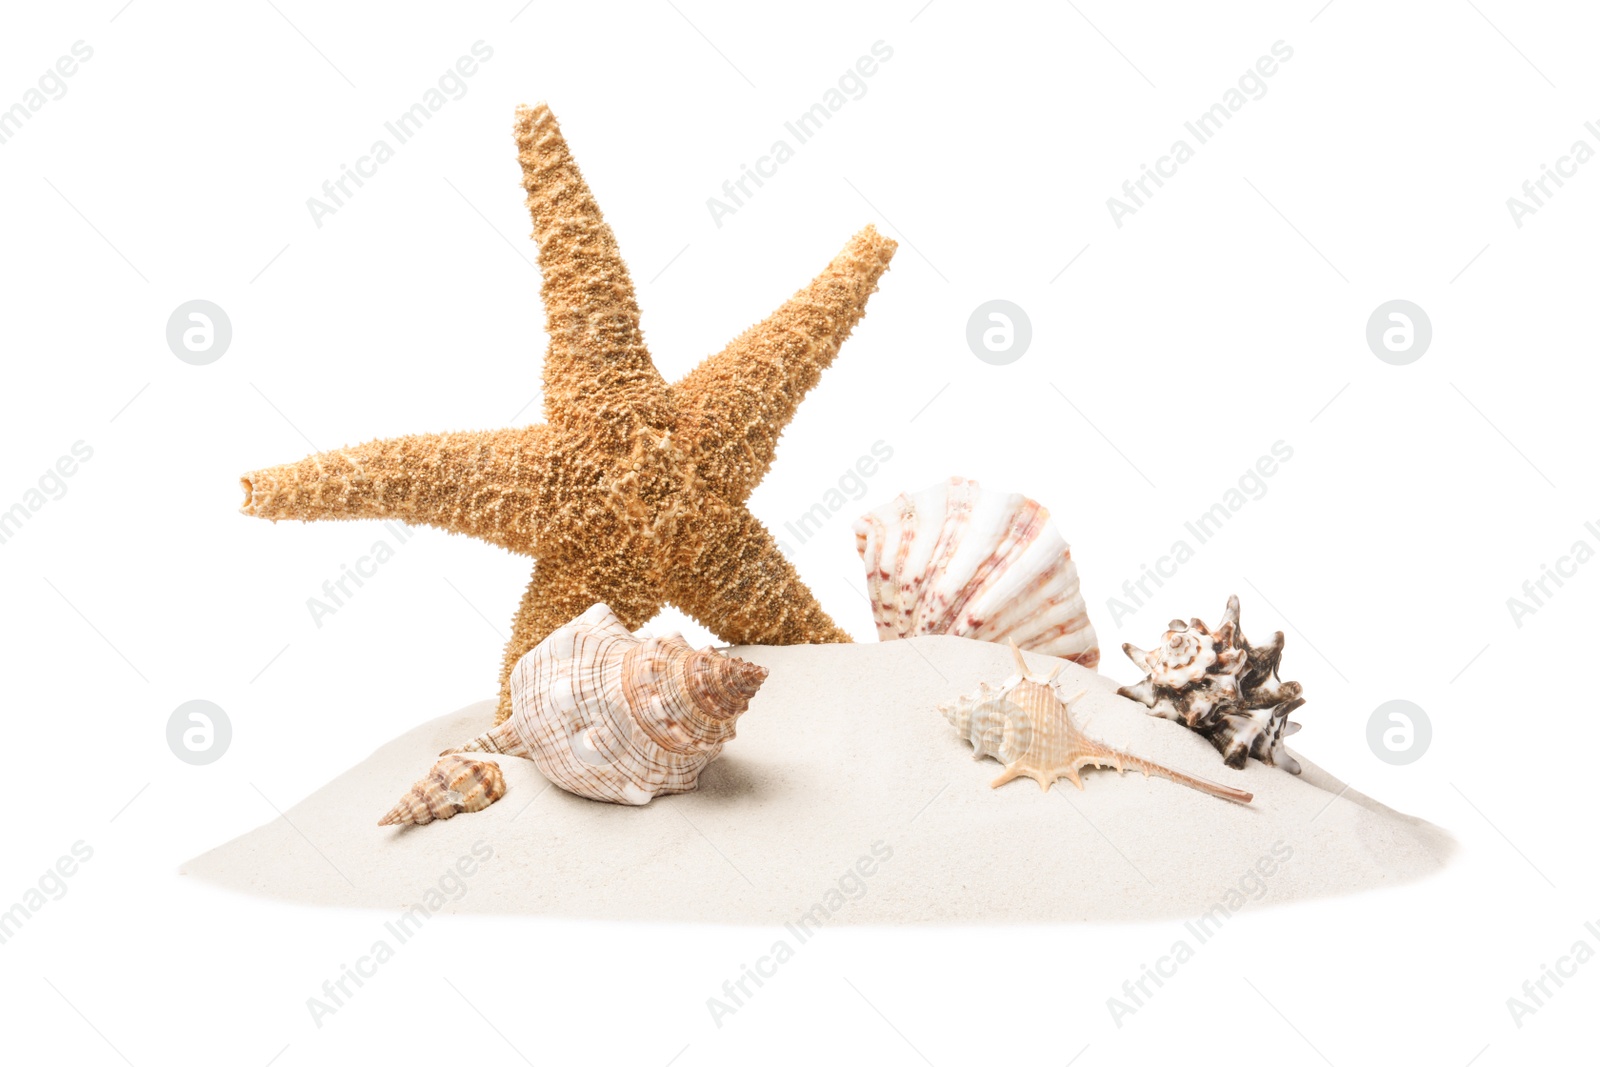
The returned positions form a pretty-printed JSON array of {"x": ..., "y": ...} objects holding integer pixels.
[{"x": 632, "y": 491}]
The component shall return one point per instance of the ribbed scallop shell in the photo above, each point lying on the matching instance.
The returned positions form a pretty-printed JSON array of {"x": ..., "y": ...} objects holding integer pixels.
[
  {"x": 954, "y": 559},
  {"x": 1222, "y": 687},
  {"x": 455, "y": 784},
  {"x": 613, "y": 716}
]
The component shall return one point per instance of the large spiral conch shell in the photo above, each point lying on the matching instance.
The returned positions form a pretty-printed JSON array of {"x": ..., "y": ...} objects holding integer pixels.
[
  {"x": 455, "y": 784},
  {"x": 613, "y": 716},
  {"x": 1024, "y": 724},
  {"x": 956, "y": 560},
  {"x": 1223, "y": 688}
]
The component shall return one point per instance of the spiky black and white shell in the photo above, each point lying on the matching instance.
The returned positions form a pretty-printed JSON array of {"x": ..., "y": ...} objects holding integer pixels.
[{"x": 1222, "y": 687}]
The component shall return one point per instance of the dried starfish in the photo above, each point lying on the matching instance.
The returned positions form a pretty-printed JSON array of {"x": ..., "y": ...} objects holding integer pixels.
[
  {"x": 633, "y": 491},
  {"x": 1026, "y": 726}
]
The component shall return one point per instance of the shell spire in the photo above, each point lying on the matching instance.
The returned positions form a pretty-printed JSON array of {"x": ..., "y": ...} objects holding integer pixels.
[
  {"x": 455, "y": 784},
  {"x": 722, "y": 685},
  {"x": 1222, "y": 687},
  {"x": 615, "y": 716},
  {"x": 1024, "y": 724}
]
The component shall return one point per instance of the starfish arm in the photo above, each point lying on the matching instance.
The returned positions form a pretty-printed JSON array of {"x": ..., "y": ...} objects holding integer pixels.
[
  {"x": 487, "y": 485},
  {"x": 597, "y": 372},
  {"x": 740, "y": 586},
  {"x": 733, "y": 407},
  {"x": 558, "y": 593}
]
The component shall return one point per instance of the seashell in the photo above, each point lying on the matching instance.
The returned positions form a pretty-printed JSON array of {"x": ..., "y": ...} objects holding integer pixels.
[
  {"x": 1220, "y": 686},
  {"x": 1024, "y": 724},
  {"x": 455, "y": 784},
  {"x": 956, "y": 560},
  {"x": 611, "y": 715}
]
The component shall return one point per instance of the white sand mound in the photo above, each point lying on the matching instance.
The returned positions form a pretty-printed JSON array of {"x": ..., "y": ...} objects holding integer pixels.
[{"x": 847, "y": 797}]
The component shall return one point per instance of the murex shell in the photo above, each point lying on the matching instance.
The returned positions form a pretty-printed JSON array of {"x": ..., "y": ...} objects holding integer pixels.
[
  {"x": 954, "y": 559},
  {"x": 1219, "y": 685},
  {"x": 455, "y": 784},
  {"x": 1025, "y": 724},
  {"x": 614, "y": 716}
]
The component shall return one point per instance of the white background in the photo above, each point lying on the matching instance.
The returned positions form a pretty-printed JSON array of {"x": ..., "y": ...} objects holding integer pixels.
[{"x": 1227, "y": 314}]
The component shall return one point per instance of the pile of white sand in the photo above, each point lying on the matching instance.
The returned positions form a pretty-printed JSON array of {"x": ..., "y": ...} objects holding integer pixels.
[{"x": 847, "y": 797}]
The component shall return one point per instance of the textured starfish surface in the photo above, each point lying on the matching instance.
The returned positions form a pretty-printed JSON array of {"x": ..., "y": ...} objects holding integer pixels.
[{"x": 632, "y": 491}]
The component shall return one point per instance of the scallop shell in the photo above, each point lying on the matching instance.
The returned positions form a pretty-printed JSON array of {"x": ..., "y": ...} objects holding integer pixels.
[
  {"x": 455, "y": 784},
  {"x": 611, "y": 715},
  {"x": 1025, "y": 724},
  {"x": 954, "y": 559},
  {"x": 1222, "y": 687}
]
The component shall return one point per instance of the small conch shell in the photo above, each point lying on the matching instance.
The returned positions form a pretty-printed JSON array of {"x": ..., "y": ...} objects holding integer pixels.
[
  {"x": 610, "y": 715},
  {"x": 956, "y": 560},
  {"x": 455, "y": 784},
  {"x": 1023, "y": 724},
  {"x": 1222, "y": 687}
]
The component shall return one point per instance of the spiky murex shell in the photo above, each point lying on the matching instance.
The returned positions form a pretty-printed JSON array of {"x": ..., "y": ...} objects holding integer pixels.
[
  {"x": 1222, "y": 687},
  {"x": 1027, "y": 725}
]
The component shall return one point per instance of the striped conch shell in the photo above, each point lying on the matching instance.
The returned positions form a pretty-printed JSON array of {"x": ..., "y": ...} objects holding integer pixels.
[
  {"x": 1025, "y": 724},
  {"x": 614, "y": 716},
  {"x": 456, "y": 784},
  {"x": 954, "y": 559}
]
